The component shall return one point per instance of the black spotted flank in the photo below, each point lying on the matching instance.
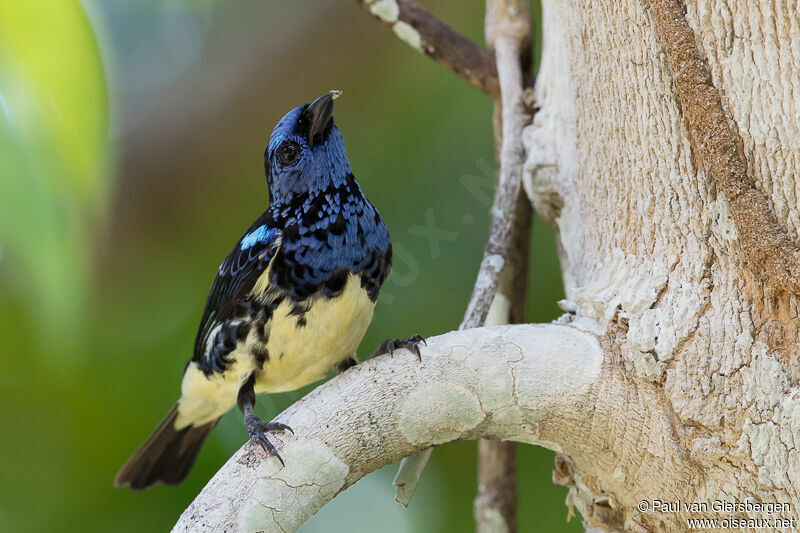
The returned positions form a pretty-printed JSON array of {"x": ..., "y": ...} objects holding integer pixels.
[
  {"x": 242, "y": 330},
  {"x": 261, "y": 336},
  {"x": 253, "y": 315},
  {"x": 376, "y": 271},
  {"x": 259, "y": 353},
  {"x": 300, "y": 308}
]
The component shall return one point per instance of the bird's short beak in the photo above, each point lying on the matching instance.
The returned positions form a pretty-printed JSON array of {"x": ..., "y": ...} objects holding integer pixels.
[{"x": 320, "y": 114}]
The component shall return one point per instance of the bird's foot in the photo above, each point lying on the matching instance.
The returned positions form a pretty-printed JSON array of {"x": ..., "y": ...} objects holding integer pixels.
[
  {"x": 257, "y": 430},
  {"x": 350, "y": 362},
  {"x": 411, "y": 344}
]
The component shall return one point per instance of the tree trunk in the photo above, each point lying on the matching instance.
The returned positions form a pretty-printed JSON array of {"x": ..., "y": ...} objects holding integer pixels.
[{"x": 667, "y": 244}]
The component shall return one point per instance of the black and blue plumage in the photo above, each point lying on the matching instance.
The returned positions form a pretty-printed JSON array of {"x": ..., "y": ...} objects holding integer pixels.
[{"x": 292, "y": 299}]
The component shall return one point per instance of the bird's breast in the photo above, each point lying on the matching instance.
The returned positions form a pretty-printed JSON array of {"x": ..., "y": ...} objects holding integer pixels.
[{"x": 303, "y": 341}]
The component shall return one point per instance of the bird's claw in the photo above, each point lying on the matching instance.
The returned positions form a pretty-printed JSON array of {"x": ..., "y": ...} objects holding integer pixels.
[
  {"x": 348, "y": 363},
  {"x": 257, "y": 428},
  {"x": 411, "y": 344}
]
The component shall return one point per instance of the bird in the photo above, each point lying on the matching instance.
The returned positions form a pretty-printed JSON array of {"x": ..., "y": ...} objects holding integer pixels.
[{"x": 292, "y": 299}]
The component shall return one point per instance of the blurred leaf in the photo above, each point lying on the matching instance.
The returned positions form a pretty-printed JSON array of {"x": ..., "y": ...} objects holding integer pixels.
[{"x": 54, "y": 157}]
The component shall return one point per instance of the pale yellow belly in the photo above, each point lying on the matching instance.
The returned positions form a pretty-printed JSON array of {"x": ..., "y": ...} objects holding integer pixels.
[
  {"x": 297, "y": 355},
  {"x": 301, "y": 355}
]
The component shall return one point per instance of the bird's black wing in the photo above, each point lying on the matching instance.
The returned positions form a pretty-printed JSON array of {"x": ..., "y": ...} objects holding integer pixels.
[{"x": 236, "y": 277}]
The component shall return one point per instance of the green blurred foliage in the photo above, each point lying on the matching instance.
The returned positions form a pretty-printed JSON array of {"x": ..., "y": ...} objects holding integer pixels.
[
  {"x": 198, "y": 87},
  {"x": 53, "y": 162}
]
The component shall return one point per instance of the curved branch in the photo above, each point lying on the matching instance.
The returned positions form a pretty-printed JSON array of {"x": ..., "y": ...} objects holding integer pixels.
[
  {"x": 528, "y": 383},
  {"x": 426, "y": 33}
]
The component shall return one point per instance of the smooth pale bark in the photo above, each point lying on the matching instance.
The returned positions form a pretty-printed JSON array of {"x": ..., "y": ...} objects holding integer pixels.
[{"x": 651, "y": 248}]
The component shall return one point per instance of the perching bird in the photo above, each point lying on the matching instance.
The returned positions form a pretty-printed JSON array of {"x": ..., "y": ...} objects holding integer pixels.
[{"x": 292, "y": 299}]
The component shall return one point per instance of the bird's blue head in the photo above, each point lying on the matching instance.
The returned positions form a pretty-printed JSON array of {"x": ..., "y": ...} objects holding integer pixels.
[{"x": 306, "y": 151}]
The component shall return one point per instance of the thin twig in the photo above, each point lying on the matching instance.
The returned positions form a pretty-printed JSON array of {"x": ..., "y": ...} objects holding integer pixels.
[
  {"x": 509, "y": 25},
  {"x": 426, "y": 33},
  {"x": 507, "y": 45}
]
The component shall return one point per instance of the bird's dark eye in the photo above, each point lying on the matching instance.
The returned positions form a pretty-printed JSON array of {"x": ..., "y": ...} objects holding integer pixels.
[{"x": 288, "y": 153}]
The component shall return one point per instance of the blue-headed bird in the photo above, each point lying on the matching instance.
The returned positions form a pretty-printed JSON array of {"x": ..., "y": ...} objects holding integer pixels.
[{"x": 292, "y": 299}]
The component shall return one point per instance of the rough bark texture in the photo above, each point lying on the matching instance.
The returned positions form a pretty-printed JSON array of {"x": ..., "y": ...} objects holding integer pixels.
[
  {"x": 675, "y": 198},
  {"x": 767, "y": 249}
]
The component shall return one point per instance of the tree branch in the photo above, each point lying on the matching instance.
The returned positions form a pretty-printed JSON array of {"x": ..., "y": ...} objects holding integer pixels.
[
  {"x": 495, "y": 506},
  {"x": 424, "y": 32},
  {"x": 767, "y": 248},
  {"x": 528, "y": 383},
  {"x": 512, "y": 155}
]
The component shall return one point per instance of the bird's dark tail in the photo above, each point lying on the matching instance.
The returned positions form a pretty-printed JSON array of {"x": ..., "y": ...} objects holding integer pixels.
[{"x": 166, "y": 456}]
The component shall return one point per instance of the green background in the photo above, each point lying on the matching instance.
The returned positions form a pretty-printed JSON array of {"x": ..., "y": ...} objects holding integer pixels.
[{"x": 131, "y": 145}]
